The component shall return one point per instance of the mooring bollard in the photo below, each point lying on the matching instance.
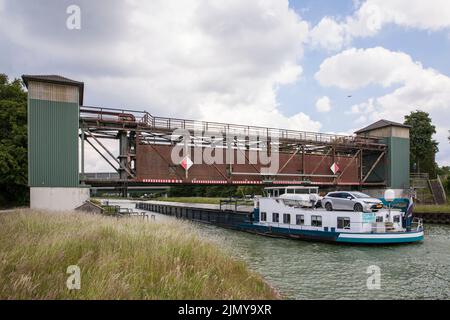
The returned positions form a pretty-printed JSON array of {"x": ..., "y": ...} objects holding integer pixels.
[{"x": 153, "y": 217}]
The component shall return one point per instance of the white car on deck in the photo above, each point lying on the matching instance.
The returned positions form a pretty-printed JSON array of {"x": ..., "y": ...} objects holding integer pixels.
[{"x": 351, "y": 200}]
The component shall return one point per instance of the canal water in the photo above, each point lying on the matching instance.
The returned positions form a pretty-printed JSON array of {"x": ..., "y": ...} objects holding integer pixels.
[{"x": 313, "y": 270}]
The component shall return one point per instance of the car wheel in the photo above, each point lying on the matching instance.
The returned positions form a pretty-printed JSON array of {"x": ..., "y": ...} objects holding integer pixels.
[
  {"x": 328, "y": 206},
  {"x": 358, "y": 207}
]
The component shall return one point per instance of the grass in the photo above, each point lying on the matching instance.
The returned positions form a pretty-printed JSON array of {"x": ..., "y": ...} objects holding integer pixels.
[
  {"x": 119, "y": 259},
  {"x": 432, "y": 208}
]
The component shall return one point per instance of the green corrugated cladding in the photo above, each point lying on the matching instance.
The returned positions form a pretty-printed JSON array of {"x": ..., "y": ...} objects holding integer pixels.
[
  {"x": 53, "y": 143},
  {"x": 398, "y": 162}
]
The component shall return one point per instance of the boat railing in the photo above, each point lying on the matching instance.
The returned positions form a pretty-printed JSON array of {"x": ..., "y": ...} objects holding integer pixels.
[{"x": 417, "y": 224}]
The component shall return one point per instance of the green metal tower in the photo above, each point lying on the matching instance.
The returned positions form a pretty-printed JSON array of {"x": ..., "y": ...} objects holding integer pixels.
[
  {"x": 53, "y": 124},
  {"x": 395, "y": 167}
]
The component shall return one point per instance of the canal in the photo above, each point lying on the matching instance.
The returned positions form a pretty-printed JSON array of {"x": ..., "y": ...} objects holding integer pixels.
[{"x": 313, "y": 270}]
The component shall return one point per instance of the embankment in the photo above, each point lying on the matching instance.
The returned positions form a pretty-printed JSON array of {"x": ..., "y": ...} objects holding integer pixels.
[
  {"x": 433, "y": 217},
  {"x": 118, "y": 259}
]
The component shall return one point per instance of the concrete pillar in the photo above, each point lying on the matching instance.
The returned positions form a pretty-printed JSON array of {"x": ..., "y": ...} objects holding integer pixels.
[{"x": 123, "y": 159}]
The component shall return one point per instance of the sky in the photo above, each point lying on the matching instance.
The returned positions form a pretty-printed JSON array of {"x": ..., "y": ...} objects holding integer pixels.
[{"x": 309, "y": 65}]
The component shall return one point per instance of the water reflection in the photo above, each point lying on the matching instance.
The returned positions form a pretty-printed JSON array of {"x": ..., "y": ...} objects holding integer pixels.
[{"x": 311, "y": 270}]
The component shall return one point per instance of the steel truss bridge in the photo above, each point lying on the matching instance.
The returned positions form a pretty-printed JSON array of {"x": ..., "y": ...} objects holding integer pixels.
[{"x": 146, "y": 143}]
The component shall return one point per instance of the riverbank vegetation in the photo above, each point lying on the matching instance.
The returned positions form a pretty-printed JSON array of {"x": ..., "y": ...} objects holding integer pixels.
[
  {"x": 13, "y": 143},
  {"x": 118, "y": 259},
  {"x": 432, "y": 208},
  {"x": 208, "y": 191}
]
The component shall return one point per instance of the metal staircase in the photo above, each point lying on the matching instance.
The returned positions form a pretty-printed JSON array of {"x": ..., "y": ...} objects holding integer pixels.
[
  {"x": 438, "y": 191},
  {"x": 428, "y": 191}
]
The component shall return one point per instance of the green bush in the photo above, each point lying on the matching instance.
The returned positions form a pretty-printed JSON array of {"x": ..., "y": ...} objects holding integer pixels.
[
  {"x": 447, "y": 185},
  {"x": 13, "y": 143}
]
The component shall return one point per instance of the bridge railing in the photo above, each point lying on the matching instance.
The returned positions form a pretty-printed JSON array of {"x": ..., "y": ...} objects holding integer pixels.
[
  {"x": 127, "y": 116},
  {"x": 218, "y": 128},
  {"x": 111, "y": 115},
  {"x": 101, "y": 176}
]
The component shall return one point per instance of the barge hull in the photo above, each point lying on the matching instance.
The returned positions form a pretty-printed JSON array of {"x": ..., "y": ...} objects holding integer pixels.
[{"x": 242, "y": 221}]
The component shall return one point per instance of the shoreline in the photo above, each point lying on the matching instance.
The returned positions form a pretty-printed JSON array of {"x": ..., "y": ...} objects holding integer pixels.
[{"x": 119, "y": 259}]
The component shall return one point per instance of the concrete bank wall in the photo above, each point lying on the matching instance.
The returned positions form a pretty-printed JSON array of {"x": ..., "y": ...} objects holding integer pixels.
[
  {"x": 431, "y": 217},
  {"x": 57, "y": 199}
]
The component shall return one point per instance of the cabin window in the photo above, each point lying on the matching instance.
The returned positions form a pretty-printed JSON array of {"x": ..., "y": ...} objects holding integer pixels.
[
  {"x": 301, "y": 191},
  {"x": 290, "y": 190},
  {"x": 397, "y": 219},
  {"x": 286, "y": 218},
  {"x": 263, "y": 216},
  {"x": 300, "y": 219},
  {"x": 282, "y": 191},
  {"x": 343, "y": 223},
  {"x": 275, "y": 217},
  {"x": 316, "y": 221},
  {"x": 379, "y": 219}
]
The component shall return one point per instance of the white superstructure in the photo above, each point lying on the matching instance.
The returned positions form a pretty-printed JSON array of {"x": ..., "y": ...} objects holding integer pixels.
[{"x": 291, "y": 212}]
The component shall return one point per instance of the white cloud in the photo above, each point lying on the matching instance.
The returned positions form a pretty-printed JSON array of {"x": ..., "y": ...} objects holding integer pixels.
[
  {"x": 442, "y": 134},
  {"x": 328, "y": 34},
  {"x": 211, "y": 60},
  {"x": 323, "y": 104},
  {"x": 372, "y": 15},
  {"x": 357, "y": 68},
  {"x": 95, "y": 162},
  {"x": 413, "y": 86}
]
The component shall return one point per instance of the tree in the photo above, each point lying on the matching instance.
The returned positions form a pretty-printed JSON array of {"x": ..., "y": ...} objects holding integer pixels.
[
  {"x": 423, "y": 146},
  {"x": 447, "y": 185},
  {"x": 444, "y": 174},
  {"x": 243, "y": 191},
  {"x": 13, "y": 143},
  {"x": 444, "y": 171}
]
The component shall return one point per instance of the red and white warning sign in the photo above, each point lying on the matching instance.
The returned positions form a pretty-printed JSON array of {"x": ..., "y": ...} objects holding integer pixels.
[
  {"x": 334, "y": 168},
  {"x": 186, "y": 163}
]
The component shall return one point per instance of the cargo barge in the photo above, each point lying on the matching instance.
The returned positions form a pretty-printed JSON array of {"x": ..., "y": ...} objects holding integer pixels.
[{"x": 299, "y": 217}]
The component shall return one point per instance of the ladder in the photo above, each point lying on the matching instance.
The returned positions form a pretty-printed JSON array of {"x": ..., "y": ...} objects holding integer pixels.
[{"x": 438, "y": 191}]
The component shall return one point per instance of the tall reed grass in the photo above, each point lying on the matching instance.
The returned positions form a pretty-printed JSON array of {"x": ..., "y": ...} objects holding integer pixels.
[{"x": 119, "y": 259}]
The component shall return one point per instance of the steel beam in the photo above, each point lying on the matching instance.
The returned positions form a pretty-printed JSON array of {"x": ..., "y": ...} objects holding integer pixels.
[
  {"x": 109, "y": 152},
  {"x": 290, "y": 158},
  {"x": 321, "y": 161},
  {"x": 103, "y": 156},
  {"x": 373, "y": 167},
  {"x": 348, "y": 165},
  {"x": 285, "y": 174}
]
